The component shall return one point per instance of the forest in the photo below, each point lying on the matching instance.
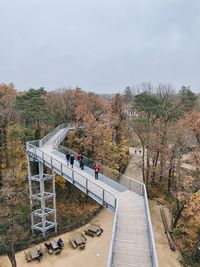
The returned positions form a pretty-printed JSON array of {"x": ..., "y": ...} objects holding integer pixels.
[{"x": 165, "y": 125}]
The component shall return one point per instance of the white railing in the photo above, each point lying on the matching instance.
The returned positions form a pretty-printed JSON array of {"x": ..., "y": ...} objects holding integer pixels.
[
  {"x": 47, "y": 137},
  {"x": 87, "y": 185},
  {"x": 110, "y": 255},
  {"x": 128, "y": 182},
  {"x": 101, "y": 195},
  {"x": 62, "y": 136},
  {"x": 150, "y": 230}
]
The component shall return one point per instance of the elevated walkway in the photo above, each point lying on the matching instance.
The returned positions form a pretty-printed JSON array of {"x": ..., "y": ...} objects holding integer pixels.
[{"x": 132, "y": 241}]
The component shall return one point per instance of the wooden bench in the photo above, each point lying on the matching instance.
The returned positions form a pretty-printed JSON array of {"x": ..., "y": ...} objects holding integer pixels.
[
  {"x": 72, "y": 243},
  {"x": 99, "y": 232},
  {"x": 89, "y": 233},
  {"x": 28, "y": 256},
  {"x": 82, "y": 246}
]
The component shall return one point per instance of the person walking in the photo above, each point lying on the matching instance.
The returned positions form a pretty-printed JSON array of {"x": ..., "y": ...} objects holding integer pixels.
[
  {"x": 67, "y": 157},
  {"x": 72, "y": 160},
  {"x": 79, "y": 158},
  {"x": 82, "y": 162},
  {"x": 96, "y": 170}
]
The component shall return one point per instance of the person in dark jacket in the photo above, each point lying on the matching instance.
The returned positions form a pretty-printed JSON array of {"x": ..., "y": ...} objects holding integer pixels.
[
  {"x": 67, "y": 157},
  {"x": 72, "y": 160},
  {"x": 82, "y": 163}
]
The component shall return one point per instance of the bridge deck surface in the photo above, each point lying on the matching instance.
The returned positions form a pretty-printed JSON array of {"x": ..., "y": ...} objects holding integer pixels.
[{"x": 131, "y": 244}]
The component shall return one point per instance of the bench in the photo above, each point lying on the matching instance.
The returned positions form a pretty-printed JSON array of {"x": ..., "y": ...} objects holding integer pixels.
[
  {"x": 72, "y": 243},
  {"x": 89, "y": 233},
  {"x": 49, "y": 248},
  {"x": 82, "y": 234},
  {"x": 82, "y": 246},
  {"x": 28, "y": 256}
]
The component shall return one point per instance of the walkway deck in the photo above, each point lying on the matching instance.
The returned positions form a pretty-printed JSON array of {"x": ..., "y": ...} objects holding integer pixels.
[{"x": 131, "y": 246}]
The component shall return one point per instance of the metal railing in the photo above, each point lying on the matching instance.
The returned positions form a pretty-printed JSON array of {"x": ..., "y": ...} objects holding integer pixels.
[
  {"x": 47, "y": 137},
  {"x": 62, "y": 136},
  {"x": 114, "y": 175},
  {"x": 150, "y": 230},
  {"x": 101, "y": 195},
  {"x": 110, "y": 255},
  {"x": 128, "y": 182}
]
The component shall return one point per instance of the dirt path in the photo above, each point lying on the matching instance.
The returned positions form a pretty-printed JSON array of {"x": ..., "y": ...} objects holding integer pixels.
[
  {"x": 166, "y": 257},
  {"x": 134, "y": 170},
  {"x": 95, "y": 253}
]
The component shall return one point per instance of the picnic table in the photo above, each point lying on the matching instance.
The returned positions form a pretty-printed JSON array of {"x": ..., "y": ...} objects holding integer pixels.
[
  {"x": 55, "y": 247},
  {"x": 79, "y": 240},
  {"x": 93, "y": 228},
  {"x": 34, "y": 253}
]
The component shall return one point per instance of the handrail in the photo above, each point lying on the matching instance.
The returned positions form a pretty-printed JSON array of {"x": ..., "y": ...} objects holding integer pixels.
[
  {"x": 47, "y": 137},
  {"x": 42, "y": 158},
  {"x": 110, "y": 255},
  {"x": 108, "y": 172},
  {"x": 61, "y": 137},
  {"x": 150, "y": 231},
  {"x": 131, "y": 180}
]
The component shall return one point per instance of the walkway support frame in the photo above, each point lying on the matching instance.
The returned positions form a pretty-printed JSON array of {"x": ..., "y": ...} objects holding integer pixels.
[{"x": 42, "y": 202}]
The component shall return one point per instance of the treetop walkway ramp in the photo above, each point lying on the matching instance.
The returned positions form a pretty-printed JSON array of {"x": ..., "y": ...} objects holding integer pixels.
[{"x": 132, "y": 242}]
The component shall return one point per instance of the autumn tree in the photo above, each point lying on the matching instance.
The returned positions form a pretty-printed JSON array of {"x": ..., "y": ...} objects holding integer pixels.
[
  {"x": 192, "y": 121},
  {"x": 128, "y": 95},
  {"x": 147, "y": 105},
  {"x": 189, "y": 226},
  {"x": 188, "y": 99},
  {"x": 17, "y": 135},
  {"x": 11, "y": 231},
  {"x": 97, "y": 139},
  {"x": 7, "y": 115},
  {"x": 158, "y": 111},
  {"x": 62, "y": 103},
  {"x": 33, "y": 109}
]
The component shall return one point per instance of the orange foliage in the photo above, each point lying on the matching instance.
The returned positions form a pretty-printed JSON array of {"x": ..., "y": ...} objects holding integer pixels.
[{"x": 192, "y": 120}]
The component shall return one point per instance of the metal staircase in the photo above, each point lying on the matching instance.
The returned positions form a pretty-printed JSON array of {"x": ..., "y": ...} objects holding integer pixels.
[{"x": 132, "y": 242}]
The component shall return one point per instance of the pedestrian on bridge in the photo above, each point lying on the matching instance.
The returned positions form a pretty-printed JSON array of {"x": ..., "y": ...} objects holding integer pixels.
[
  {"x": 82, "y": 163},
  {"x": 79, "y": 159},
  {"x": 96, "y": 170},
  {"x": 72, "y": 160},
  {"x": 67, "y": 157}
]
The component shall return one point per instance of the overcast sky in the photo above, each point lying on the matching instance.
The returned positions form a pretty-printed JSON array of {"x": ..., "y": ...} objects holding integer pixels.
[{"x": 99, "y": 45}]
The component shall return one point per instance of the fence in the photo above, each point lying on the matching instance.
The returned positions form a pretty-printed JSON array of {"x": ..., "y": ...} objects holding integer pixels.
[
  {"x": 47, "y": 137},
  {"x": 115, "y": 175},
  {"x": 101, "y": 195}
]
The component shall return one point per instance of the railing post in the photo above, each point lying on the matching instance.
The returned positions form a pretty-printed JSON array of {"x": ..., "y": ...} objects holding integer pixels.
[
  {"x": 61, "y": 169},
  {"x": 115, "y": 203},
  {"x": 86, "y": 186},
  {"x": 72, "y": 176},
  {"x": 130, "y": 182},
  {"x": 103, "y": 197},
  {"x": 51, "y": 163},
  {"x": 141, "y": 189},
  {"x": 40, "y": 143}
]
